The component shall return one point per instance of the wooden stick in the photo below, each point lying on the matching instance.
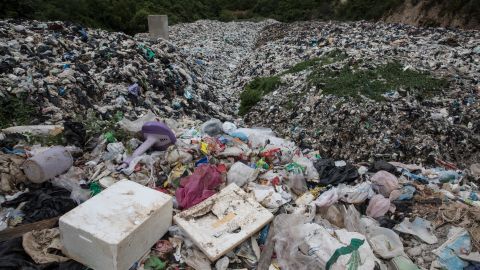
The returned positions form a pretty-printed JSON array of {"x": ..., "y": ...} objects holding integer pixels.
[{"x": 14, "y": 232}]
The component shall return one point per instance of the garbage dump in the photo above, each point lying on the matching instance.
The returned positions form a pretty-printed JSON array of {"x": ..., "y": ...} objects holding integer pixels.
[
  {"x": 124, "y": 156},
  {"x": 340, "y": 91}
]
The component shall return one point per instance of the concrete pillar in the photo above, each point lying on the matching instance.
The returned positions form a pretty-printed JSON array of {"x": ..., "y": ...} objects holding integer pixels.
[{"x": 158, "y": 26}]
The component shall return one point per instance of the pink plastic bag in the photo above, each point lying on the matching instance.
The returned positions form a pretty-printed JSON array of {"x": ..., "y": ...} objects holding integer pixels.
[
  {"x": 197, "y": 187},
  {"x": 378, "y": 206},
  {"x": 384, "y": 183}
]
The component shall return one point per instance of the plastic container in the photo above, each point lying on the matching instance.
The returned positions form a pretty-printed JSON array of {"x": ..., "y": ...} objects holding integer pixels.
[{"x": 48, "y": 164}]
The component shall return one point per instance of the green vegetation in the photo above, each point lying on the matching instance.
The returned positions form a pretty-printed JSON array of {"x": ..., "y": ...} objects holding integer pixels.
[
  {"x": 366, "y": 9},
  {"x": 255, "y": 90},
  {"x": 15, "y": 111},
  {"x": 130, "y": 16},
  {"x": 373, "y": 83},
  {"x": 302, "y": 66},
  {"x": 96, "y": 126},
  {"x": 259, "y": 87},
  {"x": 46, "y": 140},
  {"x": 329, "y": 58}
]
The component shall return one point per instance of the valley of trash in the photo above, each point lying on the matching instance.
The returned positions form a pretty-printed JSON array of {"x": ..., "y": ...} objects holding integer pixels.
[{"x": 310, "y": 187}]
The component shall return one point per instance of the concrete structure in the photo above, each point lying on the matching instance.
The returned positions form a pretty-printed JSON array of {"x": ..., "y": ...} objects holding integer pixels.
[
  {"x": 114, "y": 229},
  {"x": 158, "y": 26}
]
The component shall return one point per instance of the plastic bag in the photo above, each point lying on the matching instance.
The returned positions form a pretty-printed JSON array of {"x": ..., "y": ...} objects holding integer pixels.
[
  {"x": 351, "y": 219},
  {"x": 334, "y": 216},
  {"x": 384, "y": 242},
  {"x": 229, "y": 127},
  {"x": 327, "y": 198},
  {"x": 241, "y": 174},
  {"x": 332, "y": 175},
  {"x": 257, "y": 137},
  {"x": 311, "y": 173},
  {"x": 384, "y": 183},
  {"x": 197, "y": 260},
  {"x": 197, "y": 187},
  {"x": 71, "y": 182},
  {"x": 269, "y": 196},
  {"x": 212, "y": 127},
  {"x": 290, "y": 232},
  {"x": 355, "y": 194},
  {"x": 296, "y": 182},
  {"x": 175, "y": 155},
  {"x": 378, "y": 206},
  {"x": 402, "y": 194},
  {"x": 340, "y": 250},
  {"x": 222, "y": 264},
  {"x": 135, "y": 127}
]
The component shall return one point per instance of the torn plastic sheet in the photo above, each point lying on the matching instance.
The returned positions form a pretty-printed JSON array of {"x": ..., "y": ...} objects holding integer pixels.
[
  {"x": 420, "y": 228},
  {"x": 458, "y": 243}
]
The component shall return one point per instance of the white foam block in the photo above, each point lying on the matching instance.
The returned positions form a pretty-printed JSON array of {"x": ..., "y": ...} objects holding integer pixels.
[
  {"x": 114, "y": 229},
  {"x": 223, "y": 221}
]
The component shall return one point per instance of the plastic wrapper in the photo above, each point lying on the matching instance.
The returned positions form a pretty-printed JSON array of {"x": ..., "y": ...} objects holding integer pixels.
[{"x": 71, "y": 181}]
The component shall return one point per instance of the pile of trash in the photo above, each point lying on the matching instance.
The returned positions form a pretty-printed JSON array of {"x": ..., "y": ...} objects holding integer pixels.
[
  {"x": 240, "y": 198},
  {"x": 400, "y": 126},
  {"x": 127, "y": 154},
  {"x": 219, "y": 48},
  {"x": 60, "y": 70}
]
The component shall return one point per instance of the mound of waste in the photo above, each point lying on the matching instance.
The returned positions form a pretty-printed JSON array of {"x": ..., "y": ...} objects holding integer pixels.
[
  {"x": 367, "y": 90},
  {"x": 358, "y": 148},
  {"x": 53, "y": 71}
]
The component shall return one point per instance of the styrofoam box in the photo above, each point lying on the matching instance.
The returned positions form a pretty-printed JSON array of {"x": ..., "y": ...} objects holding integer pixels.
[{"x": 114, "y": 229}]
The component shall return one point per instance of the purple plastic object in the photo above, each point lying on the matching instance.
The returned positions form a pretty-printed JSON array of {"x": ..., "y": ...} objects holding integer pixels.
[
  {"x": 134, "y": 89},
  {"x": 157, "y": 136}
]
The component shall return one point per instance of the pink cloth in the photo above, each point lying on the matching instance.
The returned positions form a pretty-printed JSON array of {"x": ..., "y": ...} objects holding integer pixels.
[{"x": 199, "y": 186}]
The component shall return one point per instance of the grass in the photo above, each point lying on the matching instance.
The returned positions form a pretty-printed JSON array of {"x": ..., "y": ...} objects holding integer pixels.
[
  {"x": 46, "y": 140},
  {"x": 15, "y": 111},
  {"x": 374, "y": 83},
  {"x": 259, "y": 87},
  {"x": 328, "y": 58},
  {"x": 302, "y": 66},
  {"x": 255, "y": 90}
]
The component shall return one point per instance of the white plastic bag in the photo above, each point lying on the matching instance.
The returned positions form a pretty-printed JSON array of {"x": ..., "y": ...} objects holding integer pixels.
[
  {"x": 71, "y": 181},
  {"x": 355, "y": 194},
  {"x": 241, "y": 174}
]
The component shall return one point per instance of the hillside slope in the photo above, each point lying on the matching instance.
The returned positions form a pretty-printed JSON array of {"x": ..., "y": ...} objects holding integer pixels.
[{"x": 444, "y": 13}]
